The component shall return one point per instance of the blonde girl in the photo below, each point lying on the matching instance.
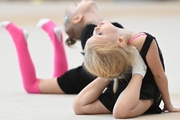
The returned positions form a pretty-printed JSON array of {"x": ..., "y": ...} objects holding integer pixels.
[{"x": 109, "y": 55}]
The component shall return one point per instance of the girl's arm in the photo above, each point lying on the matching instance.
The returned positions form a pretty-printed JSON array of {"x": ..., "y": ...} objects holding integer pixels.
[
  {"x": 128, "y": 103},
  {"x": 156, "y": 67},
  {"x": 86, "y": 102}
]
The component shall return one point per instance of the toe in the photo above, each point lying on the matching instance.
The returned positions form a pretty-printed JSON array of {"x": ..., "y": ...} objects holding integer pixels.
[
  {"x": 4, "y": 24},
  {"x": 42, "y": 22}
]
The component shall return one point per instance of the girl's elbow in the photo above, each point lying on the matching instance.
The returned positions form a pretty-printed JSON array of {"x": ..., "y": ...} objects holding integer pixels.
[
  {"x": 77, "y": 107},
  {"x": 160, "y": 77},
  {"x": 121, "y": 112},
  {"x": 159, "y": 74},
  {"x": 120, "y": 115}
]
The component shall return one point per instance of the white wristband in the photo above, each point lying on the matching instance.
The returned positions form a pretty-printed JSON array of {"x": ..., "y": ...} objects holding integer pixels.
[{"x": 139, "y": 67}]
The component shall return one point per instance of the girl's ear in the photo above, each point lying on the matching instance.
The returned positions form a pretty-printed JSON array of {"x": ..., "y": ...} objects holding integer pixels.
[
  {"x": 77, "y": 19},
  {"x": 121, "y": 42}
]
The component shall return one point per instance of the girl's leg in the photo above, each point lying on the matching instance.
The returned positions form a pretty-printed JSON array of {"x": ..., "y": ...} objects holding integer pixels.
[
  {"x": 30, "y": 82},
  {"x": 50, "y": 86},
  {"x": 128, "y": 104},
  {"x": 19, "y": 37},
  {"x": 60, "y": 61},
  {"x": 86, "y": 102}
]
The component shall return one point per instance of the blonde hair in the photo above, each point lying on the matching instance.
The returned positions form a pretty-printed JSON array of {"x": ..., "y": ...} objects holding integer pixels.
[
  {"x": 72, "y": 30},
  {"x": 108, "y": 61}
]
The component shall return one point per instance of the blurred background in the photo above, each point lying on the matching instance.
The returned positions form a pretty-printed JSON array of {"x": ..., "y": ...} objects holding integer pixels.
[{"x": 28, "y": 11}]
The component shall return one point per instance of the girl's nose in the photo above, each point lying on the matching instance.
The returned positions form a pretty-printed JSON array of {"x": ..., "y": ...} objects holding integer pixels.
[
  {"x": 96, "y": 30},
  {"x": 100, "y": 24}
]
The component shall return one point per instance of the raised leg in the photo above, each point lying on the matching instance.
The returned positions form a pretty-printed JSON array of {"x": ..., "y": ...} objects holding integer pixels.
[
  {"x": 60, "y": 60},
  {"x": 27, "y": 69}
]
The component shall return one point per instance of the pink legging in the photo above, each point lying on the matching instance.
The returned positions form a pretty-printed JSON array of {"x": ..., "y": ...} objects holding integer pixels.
[{"x": 28, "y": 73}]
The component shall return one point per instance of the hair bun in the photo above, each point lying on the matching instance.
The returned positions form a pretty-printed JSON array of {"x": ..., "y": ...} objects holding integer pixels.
[{"x": 70, "y": 41}]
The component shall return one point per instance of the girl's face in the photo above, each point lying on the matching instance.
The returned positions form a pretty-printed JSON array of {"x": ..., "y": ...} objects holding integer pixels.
[
  {"x": 82, "y": 7},
  {"x": 104, "y": 33},
  {"x": 73, "y": 19}
]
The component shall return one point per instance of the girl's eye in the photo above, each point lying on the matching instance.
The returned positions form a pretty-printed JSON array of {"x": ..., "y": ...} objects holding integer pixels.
[{"x": 100, "y": 34}]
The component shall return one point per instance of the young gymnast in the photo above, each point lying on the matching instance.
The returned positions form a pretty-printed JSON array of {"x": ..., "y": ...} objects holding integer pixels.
[
  {"x": 109, "y": 55},
  {"x": 64, "y": 81}
]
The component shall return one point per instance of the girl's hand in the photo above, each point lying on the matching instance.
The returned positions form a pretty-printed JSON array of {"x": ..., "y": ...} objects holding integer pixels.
[{"x": 170, "y": 108}]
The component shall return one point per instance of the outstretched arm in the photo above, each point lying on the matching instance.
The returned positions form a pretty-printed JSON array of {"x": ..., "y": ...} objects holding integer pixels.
[
  {"x": 86, "y": 102},
  {"x": 156, "y": 67}
]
